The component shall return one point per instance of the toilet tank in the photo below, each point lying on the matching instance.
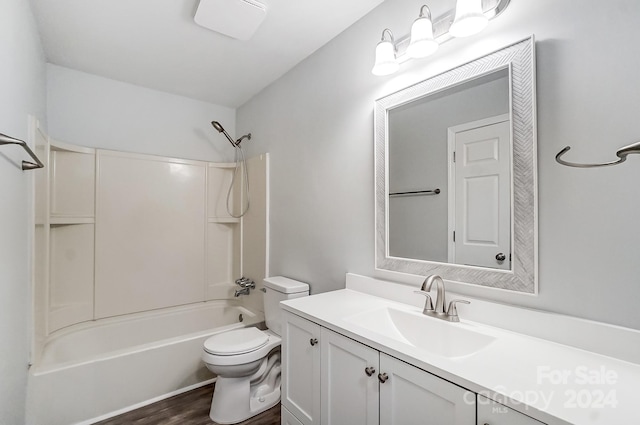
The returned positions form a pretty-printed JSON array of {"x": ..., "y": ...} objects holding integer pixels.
[{"x": 280, "y": 288}]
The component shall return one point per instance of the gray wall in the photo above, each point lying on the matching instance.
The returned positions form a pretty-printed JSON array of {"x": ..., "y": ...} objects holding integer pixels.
[
  {"x": 22, "y": 92},
  {"x": 89, "y": 110},
  {"x": 317, "y": 123}
]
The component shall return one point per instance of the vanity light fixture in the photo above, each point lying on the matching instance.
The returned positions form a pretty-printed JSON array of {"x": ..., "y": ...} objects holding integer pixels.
[
  {"x": 386, "y": 61},
  {"x": 422, "y": 42},
  {"x": 469, "y": 17}
]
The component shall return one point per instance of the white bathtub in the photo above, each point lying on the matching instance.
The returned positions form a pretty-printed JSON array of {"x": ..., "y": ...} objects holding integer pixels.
[{"x": 94, "y": 369}]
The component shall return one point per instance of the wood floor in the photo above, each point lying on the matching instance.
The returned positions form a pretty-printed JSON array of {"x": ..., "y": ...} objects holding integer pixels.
[{"x": 190, "y": 408}]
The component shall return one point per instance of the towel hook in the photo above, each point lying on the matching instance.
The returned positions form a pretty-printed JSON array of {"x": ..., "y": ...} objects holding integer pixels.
[{"x": 621, "y": 154}]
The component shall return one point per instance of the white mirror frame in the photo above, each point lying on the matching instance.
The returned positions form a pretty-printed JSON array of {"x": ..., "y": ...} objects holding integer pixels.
[{"x": 519, "y": 59}]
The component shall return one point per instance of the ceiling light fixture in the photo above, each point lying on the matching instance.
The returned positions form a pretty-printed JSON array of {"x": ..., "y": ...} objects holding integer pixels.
[{"x": 469, "y": 17}]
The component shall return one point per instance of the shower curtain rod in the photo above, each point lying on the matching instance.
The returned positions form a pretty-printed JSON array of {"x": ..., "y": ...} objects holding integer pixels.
[{"x": 26, "y": 165}]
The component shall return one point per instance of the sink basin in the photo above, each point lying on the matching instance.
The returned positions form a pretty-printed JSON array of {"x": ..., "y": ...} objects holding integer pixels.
[{"x": 423, "y": 332}]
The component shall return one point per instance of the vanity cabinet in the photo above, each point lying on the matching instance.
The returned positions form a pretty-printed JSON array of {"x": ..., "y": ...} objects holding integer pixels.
[
  {"x": 412, "y": 396},
  {"x": 492, "y": 413},
  {"x": 349, "y": 388},
  {"x": 301, "y": 374},
  {"x": 330, "y": 379}
]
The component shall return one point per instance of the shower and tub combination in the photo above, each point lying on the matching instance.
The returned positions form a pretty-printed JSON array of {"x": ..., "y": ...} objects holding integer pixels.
[{"x": 100, "y": 349}]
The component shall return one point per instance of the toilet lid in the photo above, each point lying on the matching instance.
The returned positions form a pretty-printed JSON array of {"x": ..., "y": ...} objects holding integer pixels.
[{"x": 238, "y": 341}]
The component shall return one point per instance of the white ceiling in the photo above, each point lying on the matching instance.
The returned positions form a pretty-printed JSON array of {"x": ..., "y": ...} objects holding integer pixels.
[{"x": 157, "y": 44}]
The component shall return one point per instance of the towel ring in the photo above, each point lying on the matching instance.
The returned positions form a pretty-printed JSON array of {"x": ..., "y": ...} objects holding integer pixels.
[{"x": 621, "y": 154}]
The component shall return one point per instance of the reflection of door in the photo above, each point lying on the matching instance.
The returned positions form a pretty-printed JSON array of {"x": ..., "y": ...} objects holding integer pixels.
[{"x": 480, "y": 193}]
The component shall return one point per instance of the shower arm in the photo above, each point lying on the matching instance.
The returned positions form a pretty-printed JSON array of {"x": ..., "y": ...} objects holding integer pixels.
[{"x": 246, "y": 136}]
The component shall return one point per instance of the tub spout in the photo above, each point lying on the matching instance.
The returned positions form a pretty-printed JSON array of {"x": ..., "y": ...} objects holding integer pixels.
[{"x": 241, "y": 291}]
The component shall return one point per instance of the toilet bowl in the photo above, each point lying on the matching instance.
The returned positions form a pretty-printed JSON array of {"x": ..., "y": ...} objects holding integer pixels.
[{"x": 247, "y": 361}]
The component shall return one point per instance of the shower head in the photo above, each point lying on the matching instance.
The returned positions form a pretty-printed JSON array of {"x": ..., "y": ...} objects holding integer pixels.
[
  {"x": 217, "y": 126},
  {"x": 221, "y": 129}
]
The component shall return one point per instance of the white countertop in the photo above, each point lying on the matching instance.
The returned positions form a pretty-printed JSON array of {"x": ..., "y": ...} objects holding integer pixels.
[{"x": 551, "y": 382}]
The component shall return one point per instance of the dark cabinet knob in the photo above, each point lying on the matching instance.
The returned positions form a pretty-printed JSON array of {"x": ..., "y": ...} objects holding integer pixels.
[
  {"x": 313, "y": 341},
  {"x": 501, "y": 257}
]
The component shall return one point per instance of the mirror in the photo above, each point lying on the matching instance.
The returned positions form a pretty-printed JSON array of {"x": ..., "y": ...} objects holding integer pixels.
[{"x": 455, "y": 174}]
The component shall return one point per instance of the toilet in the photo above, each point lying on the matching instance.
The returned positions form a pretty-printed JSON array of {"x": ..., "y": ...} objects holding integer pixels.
[{"x": 247, "y": 360}]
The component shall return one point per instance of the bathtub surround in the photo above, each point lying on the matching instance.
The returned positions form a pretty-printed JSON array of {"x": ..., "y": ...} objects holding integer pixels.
[
  {"x": 587, "y": 97},
  {"x": 161, "y": 230},
  {"x": 22, "y": 85}
]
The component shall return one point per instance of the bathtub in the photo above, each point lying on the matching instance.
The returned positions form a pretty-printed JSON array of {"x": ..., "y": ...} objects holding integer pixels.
[{"x": 94, "y": 370}]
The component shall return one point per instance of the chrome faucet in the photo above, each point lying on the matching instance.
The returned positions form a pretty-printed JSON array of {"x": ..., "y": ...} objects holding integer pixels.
[
  {"x": 440, "y": 292},
  {"x": 241, "y": 291},
  {"x": 246, "y": 285},
  {"x": 451, "y": 314}
]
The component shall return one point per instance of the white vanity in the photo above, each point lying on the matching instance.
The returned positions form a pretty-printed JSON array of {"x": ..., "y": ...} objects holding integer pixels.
[{"x": 355, "y": 358}]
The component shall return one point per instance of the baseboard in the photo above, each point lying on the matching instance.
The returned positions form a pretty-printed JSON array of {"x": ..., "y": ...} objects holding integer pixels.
[{"x": 145, "y": 403}]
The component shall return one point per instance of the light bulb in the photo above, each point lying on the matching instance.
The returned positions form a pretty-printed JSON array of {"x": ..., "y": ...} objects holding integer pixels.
[
  {"x": 422, "y": 42},
  {"x": 469, "y": 18},
  {"x": 386, "y": 62}
]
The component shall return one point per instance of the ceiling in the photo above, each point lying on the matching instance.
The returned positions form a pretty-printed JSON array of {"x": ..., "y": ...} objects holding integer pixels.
[{"x": 156, "y": 43}]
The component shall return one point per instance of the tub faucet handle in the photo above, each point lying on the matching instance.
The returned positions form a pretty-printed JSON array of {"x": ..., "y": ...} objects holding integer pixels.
[{"x": 245, "y": 282}]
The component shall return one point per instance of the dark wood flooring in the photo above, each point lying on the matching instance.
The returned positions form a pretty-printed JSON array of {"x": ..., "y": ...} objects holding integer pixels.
[{"x": 190, "y": 408}]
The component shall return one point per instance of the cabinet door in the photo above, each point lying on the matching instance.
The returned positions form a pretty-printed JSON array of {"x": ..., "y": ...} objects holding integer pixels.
[
  {"x": 411, "y": 396},
  {"x": 349, "y": 383},
  {"x": 301, "y": 368},
  {"x": 492, "y": 413}
]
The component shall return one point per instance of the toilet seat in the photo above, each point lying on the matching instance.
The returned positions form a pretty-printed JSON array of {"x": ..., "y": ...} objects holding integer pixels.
[
  {"x": 235, "y": 342},
  {"x": 261, "y": 351}
]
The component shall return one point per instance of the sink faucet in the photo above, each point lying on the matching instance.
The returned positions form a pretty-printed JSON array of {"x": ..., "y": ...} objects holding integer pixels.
[
  {"x": 440, "y": 293},
  {"x": 451, "y": 313}
]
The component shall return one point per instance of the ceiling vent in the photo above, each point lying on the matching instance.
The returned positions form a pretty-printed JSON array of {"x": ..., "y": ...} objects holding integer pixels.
[{"x": 234, "y": 18}]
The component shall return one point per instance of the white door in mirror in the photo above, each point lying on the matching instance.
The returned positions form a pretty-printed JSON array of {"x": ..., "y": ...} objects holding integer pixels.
[{"x": 482, "y": 193}]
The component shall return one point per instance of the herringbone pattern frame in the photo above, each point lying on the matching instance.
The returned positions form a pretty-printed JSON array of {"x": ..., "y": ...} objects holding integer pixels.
[{"x": 519, "y": 58}]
